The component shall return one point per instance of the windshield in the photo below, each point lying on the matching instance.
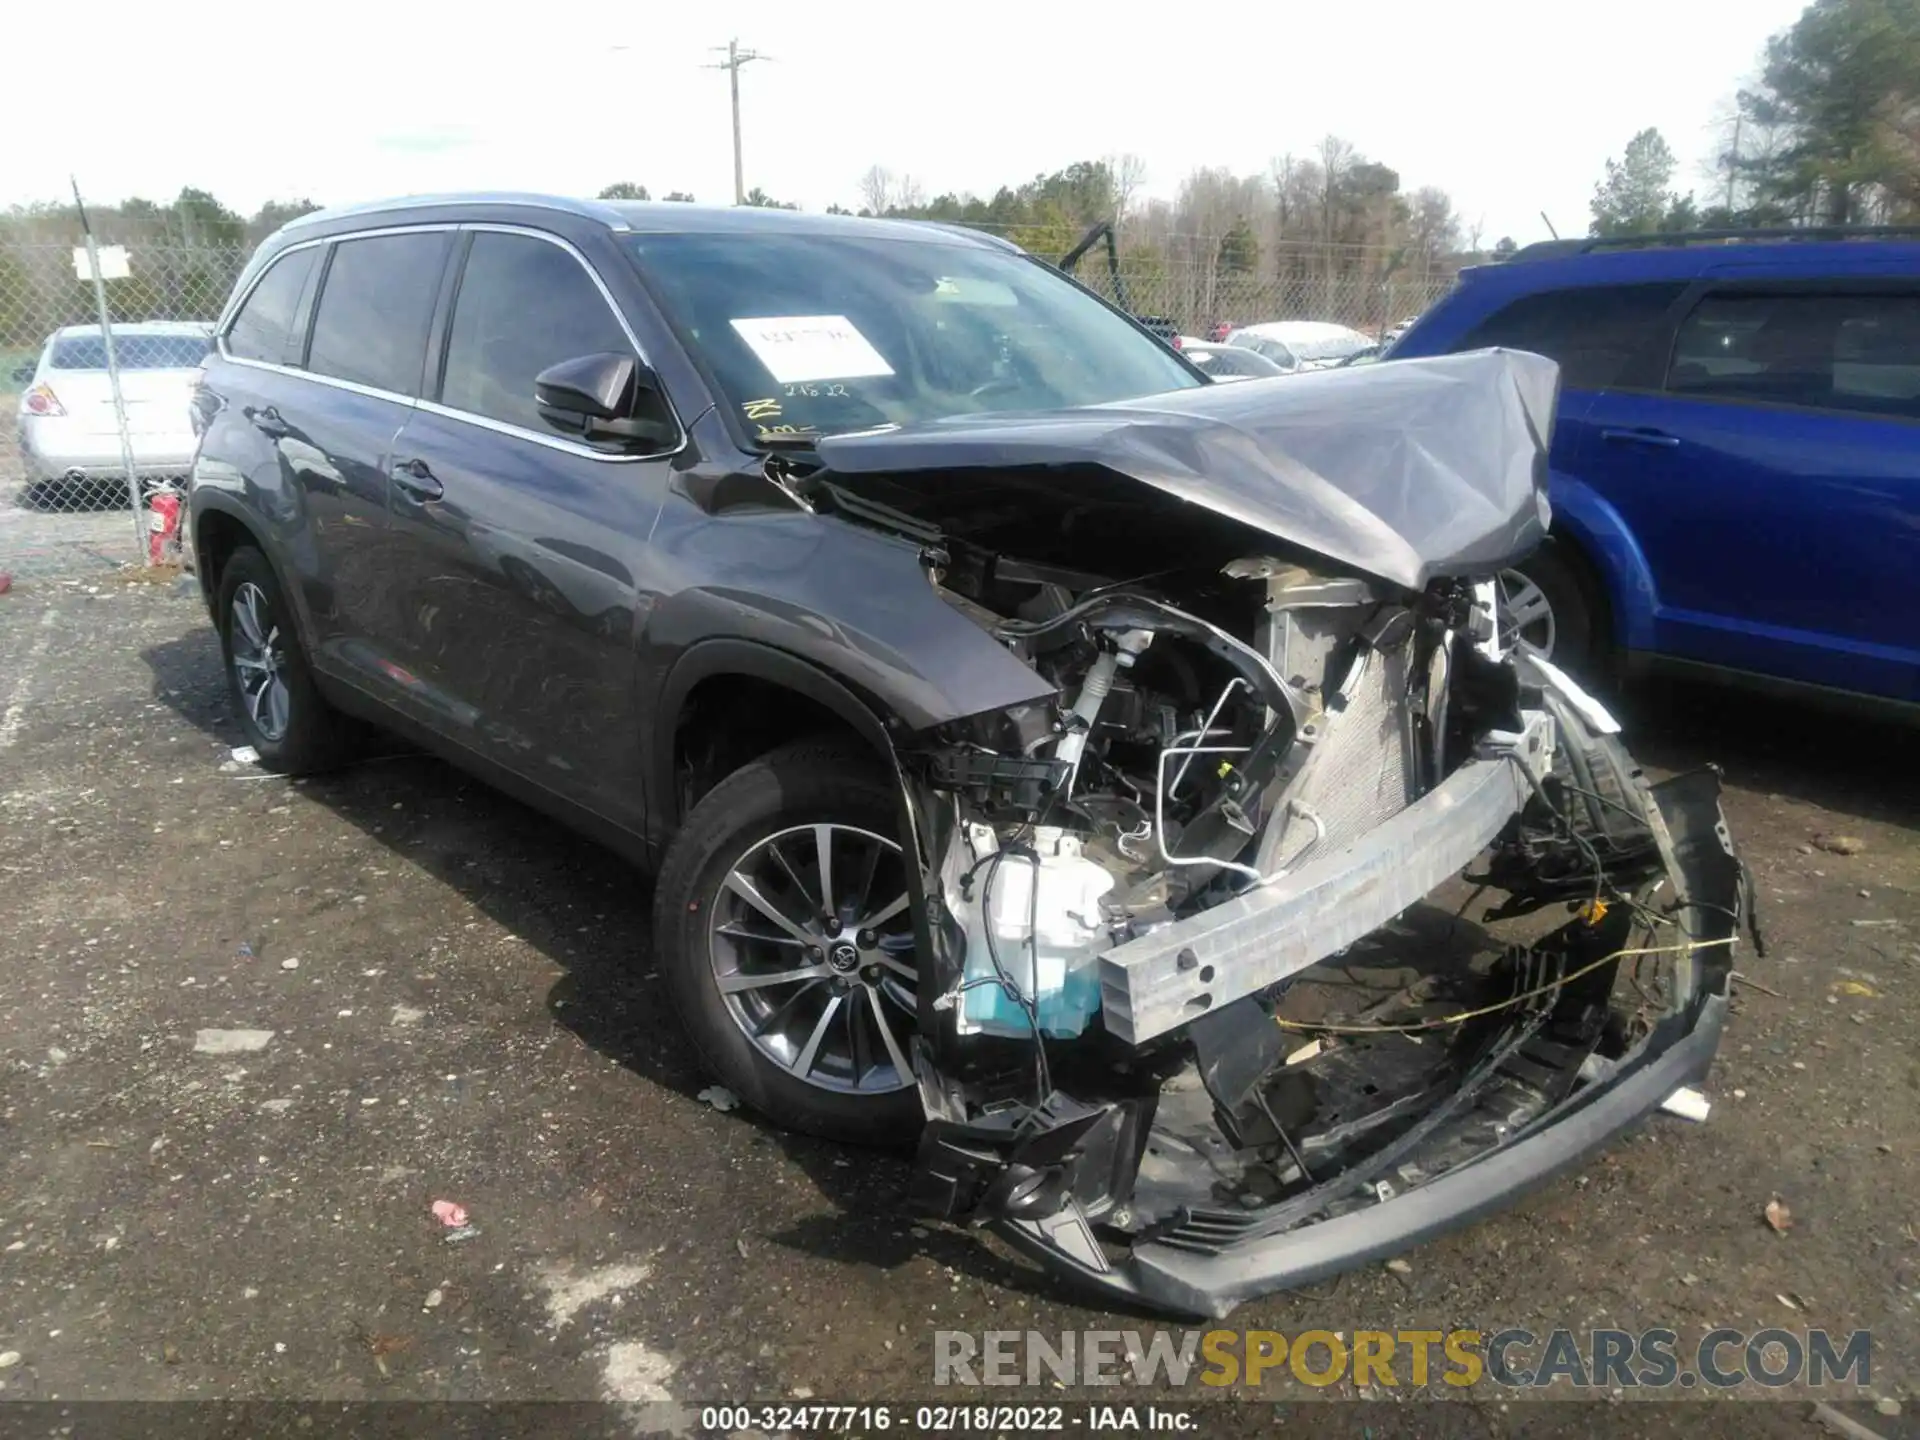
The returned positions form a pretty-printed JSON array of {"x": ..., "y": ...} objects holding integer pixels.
[
  {"x": 817, "y": 334},
  {"x": 132, "y": 352}
]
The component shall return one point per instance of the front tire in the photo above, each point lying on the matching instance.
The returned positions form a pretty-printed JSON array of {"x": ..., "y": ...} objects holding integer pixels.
[
  {"x": 784, "y": 933},
  {"x": 280, "y": 709}
]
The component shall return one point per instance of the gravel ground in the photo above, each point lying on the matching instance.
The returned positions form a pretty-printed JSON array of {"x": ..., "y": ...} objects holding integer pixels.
[
  {"x": 47, "y": 533},
  {"x": 44, "y": 544},
  {"x": 462, "y": 1007}
]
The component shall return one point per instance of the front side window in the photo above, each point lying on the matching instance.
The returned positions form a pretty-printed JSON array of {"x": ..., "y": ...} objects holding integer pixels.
[
  {"x": 1854, "y": 353},
  {"x": 1594, "y": 332},
  {"x": 817, "y": 334},
  {"x": 259, "y": 331},
  {"x": 524, "y": 304},
  {"x": 370, "y": 325}
]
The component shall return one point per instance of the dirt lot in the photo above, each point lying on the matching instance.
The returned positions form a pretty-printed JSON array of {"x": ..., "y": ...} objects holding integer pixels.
[{"x": 463, "y": 1008}]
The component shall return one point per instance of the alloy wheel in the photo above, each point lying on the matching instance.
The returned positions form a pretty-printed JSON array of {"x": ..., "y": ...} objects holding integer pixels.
[
  {"x": 812, "y": 948},
  {"x": 1525, "y": 615},
  {"x": 259, "y": 661}
]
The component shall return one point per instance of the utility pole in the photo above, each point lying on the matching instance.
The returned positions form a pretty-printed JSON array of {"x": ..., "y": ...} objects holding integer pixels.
[{"x": 736, "y": 57}]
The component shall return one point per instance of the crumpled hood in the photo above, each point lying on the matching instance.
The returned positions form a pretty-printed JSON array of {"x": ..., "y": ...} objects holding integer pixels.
[{"x": 1405, "y": 470}]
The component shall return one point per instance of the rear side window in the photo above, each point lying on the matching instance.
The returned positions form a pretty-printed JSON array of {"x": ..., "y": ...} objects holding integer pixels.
[
  {"x": 524, "y": 304},
  {"x": 1852, "y": 353},
  {"x": 1594, "y": 332},
  {"x": 370, "y": 326},
  {"x": 259, "y": 331}
]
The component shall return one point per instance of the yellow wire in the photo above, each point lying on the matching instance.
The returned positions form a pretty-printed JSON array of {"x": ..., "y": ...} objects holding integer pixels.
[{"x": 1687, "y": 948}]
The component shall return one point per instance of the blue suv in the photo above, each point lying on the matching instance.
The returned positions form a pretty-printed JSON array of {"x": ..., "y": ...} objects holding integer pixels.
[{"x": 1736, "y": 462}]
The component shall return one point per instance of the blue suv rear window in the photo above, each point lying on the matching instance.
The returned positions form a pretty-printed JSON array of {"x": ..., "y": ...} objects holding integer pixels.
[{"x": 1855, "y": 353}]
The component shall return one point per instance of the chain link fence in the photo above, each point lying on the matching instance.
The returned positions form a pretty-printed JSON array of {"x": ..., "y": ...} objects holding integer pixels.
[
  {"x": 1205, "y": 302},
  {"x": 1205, "y": 284},
  {"x": 80, "y": 466},
  {"x": 94, "y": 424}
]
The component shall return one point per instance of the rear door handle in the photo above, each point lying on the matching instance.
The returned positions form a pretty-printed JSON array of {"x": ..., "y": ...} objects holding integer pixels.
[
  {"x": 1658, "y": 438},
  {"x": 417, "y": 480}
]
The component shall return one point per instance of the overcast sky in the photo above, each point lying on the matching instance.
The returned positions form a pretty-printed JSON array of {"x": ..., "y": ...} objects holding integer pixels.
[{"x": 1512, "y": 107}]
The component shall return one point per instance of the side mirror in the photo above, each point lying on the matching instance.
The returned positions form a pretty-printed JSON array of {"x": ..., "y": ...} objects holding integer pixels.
[{"x": 604, "y": 397}]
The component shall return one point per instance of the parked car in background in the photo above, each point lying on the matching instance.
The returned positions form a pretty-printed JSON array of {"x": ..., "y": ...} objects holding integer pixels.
[
  {"x": 1736, "y": 462},
  {"x": 1395, "y": 331},
  {"x": 1296, "y": 345},
  {"x": 1229, "y": 362},
  {"x": 875, "y": 584},
  {"x": 68, "y": 431},
  {"x": 1361, "y": 357}
]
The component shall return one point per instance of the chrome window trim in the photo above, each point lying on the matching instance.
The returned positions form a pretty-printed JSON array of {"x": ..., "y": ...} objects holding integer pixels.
[
  {"x": 434, "y": 407},
  {"x": 372, "y": 392},
  {"x": 233, "y": 304}
]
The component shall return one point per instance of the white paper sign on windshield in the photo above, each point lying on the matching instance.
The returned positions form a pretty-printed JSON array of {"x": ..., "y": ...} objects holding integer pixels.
[{"x": 811, "y": 347}]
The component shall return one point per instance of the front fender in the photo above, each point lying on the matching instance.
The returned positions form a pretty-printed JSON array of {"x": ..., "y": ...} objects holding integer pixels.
[
  {"x": 853, "y": 603},
  {"x": 1584, "y": 516},
  {"x": 760, "y": 662}
]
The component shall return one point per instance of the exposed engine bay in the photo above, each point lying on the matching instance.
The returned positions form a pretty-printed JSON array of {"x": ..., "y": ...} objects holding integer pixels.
[
  {"x": 1201, "y": 1009},
  {"x": 1182, "y": 766},
  {"x": 1186, "y": 773}
]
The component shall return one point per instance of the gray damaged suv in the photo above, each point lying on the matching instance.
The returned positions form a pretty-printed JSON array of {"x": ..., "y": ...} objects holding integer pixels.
[{"x": 1039, "y": 746}]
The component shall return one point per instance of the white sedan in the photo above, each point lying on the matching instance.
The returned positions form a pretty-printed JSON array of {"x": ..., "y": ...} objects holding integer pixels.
[
  {"x": 66, "y": 419},
  {"x": 1297, "y": 345}
]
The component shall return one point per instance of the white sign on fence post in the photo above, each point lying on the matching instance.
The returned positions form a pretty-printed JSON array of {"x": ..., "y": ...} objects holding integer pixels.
[{"x": 113, "y": 263}]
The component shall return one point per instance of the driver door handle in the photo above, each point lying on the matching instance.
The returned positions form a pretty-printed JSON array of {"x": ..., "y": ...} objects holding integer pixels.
[{"x": 414, "y": 477}]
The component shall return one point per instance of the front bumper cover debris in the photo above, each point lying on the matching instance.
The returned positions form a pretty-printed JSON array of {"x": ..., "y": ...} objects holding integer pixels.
[
  {"x": 1169, "y": 976},
  {"x": 1056, "y": 1181}
]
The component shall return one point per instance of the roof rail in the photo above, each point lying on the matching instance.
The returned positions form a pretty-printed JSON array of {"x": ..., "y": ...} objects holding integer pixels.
[
  {"x": 1552, "y": 249},
  {"x": 566, "y": 204}
]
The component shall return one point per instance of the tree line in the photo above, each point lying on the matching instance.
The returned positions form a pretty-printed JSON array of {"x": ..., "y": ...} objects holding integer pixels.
[
  {"x": 1326, "y": 232},
  {"x": 184, "y": 255},
  {"x": 1828, "y": 134}
]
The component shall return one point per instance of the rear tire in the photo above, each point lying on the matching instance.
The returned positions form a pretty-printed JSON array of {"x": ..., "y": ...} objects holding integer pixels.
[
  {"x": 790, "y": 797},
  {"x": 281, "y": 711}
]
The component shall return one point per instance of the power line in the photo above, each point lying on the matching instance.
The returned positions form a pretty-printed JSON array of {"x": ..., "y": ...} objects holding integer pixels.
[{"x": 736, "y": 57}]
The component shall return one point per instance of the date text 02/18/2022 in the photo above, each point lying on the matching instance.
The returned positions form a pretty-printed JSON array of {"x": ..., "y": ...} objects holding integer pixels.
[{"x": 946, "y": 1419}]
